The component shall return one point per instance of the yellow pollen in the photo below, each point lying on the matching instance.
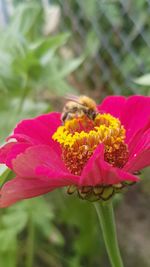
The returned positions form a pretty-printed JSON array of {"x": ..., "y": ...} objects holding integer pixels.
[{"x": 79, "y": 137}]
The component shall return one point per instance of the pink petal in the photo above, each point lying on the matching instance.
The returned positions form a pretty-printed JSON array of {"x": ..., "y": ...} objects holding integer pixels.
[
  {"x": 141, "y": 134},
  {"x": 10, "y": 151},
  {"x": 97, "y": 171},
  {"x": 4, "y": 150},
  {"x": 17, "y": 149},
  {"x": 140, "y": 162},
  {"x": 53, "y": 174},
  {"x": 139, "y": 157},
  {"x": 135, "y": 115},
  {"x": 113, "y": 105},
  {"x": 42, "y": 160},
  {"x": 22, "y": 138},
  {"x": 38, "y": 130},
  {"x": 25, "y": 164},
  {"x": 22, "y": 188},
  {"x": 40, "y": 170}
]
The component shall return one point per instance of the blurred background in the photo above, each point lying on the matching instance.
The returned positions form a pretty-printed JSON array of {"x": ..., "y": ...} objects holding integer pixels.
[{"x": 49, "y": 49}]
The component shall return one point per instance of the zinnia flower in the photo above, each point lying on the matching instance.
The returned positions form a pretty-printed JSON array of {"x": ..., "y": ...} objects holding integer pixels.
[{"x": 94, "y": 157}]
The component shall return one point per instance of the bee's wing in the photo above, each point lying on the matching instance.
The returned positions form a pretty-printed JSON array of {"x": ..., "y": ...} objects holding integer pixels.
[{"x": 73, "y": 98}]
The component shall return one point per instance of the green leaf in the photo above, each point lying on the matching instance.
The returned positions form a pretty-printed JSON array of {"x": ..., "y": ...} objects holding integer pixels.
[
  {"x": 7, "y": 240},
  {"x": 143, "y": 80},
  {"x": 40, "y": 47},
  {"x": 15, "y": 220},
  {"x": 26, "y": 18},
  {"x": 5, "y": 175},
  {"x": 60, "y": 87},
  {"x": 69, "y": 66},
  {"x": 8, "y": 258}
]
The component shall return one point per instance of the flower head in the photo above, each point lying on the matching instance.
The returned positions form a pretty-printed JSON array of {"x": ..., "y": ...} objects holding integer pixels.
[{"x": 94, "y": 154}]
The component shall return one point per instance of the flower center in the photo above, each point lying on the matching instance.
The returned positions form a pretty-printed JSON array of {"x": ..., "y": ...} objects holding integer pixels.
[{"x": 80, "y": 136}]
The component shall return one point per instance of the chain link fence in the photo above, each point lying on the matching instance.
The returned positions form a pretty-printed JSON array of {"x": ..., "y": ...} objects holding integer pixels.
[{"x": 114, "y": 36}]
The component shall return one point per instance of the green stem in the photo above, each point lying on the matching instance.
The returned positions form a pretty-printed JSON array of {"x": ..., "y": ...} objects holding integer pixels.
[
  {"x": 22, "y": 99},
  {"x": 107, "y": 221},
  {"x": 30, "y": 244}
]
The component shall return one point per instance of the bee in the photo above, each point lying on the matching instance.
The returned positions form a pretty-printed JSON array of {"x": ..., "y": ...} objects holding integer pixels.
[{"x": 79, "y": 106}]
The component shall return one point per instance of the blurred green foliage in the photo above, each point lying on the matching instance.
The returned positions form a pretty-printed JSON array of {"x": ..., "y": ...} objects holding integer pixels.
[{"x": 30, "y": 64}]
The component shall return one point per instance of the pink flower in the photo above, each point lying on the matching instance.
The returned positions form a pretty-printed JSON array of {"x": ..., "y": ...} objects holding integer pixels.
[{"x": 41, "y": 164}]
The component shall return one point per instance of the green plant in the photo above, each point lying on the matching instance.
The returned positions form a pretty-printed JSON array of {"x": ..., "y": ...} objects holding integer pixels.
[{"x": 30, "y": 66}]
